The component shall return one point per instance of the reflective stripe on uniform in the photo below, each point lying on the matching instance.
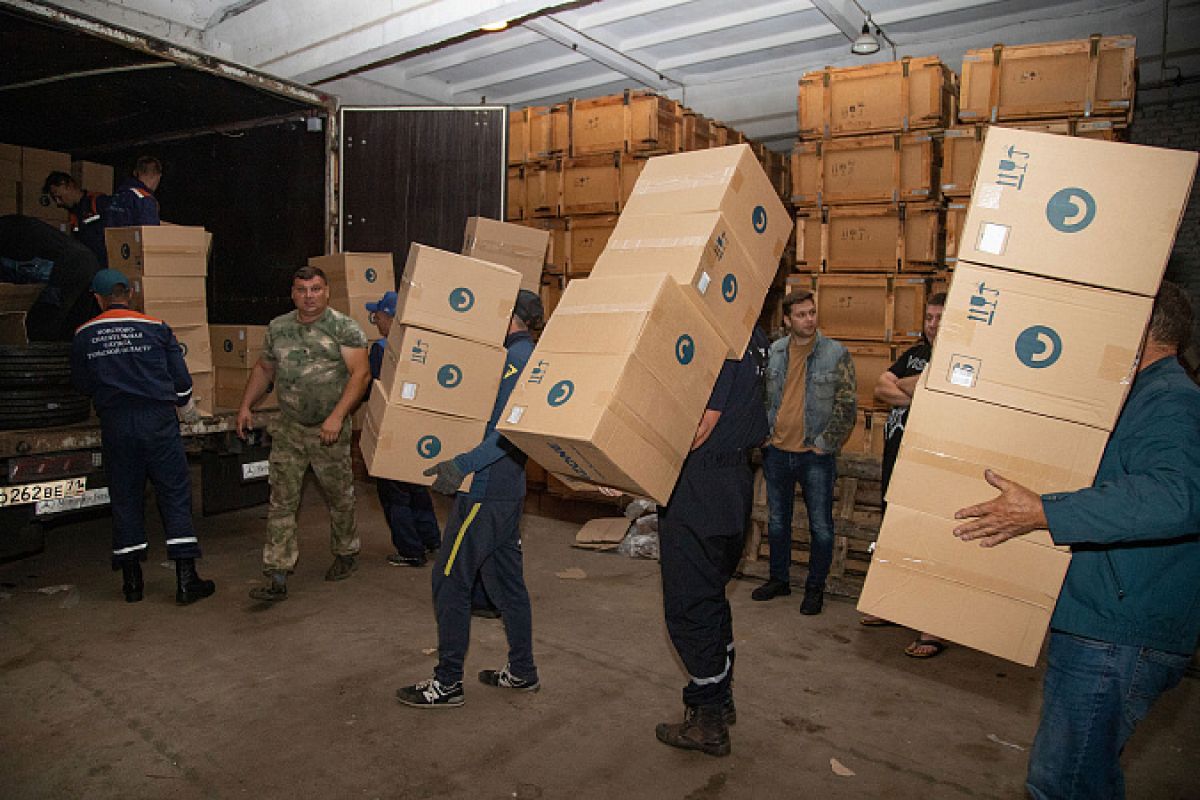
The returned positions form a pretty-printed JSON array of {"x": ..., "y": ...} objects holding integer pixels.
[
  {"x": 125, "y": 550},
  {"x": 714, "y": 679},
  {"x": 182, "y": 540},
  {"x": 462, "y": 531}
]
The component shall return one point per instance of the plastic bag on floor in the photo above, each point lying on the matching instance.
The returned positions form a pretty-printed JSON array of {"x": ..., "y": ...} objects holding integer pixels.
[
  {"x": 640, "y": 507},
  {"x": 639, "y": 545},
  {"x": 646, "y": 524}
]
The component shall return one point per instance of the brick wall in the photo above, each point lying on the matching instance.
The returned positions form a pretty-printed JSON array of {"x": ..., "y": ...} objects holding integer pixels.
[{"x": 1177, "y": 125}]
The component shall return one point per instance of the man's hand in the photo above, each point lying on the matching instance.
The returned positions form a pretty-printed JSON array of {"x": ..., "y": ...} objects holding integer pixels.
[
  {"x": 331, "y": 429},
  {"x": 1015, "y": 512},
  {"x": 245, "y": 421},
  {"x": 188, "y": 414},
  {"x": 449, "y": 476}
]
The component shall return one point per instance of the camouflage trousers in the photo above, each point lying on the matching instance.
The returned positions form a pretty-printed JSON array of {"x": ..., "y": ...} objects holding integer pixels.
[{"x": 294, "y": 448}]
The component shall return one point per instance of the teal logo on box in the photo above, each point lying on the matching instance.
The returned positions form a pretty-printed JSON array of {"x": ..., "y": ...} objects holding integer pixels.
[
  {"x": 371, "y": 275},
  {"x": 1039, "y": 346},
  {"x": 685, "y": 349},
  {"x": 461, "y": 299},
  {"x": 759, "y": 218},
  {"x": 729, "y": 288},
  {"x": 429, "y": 446},
  {"x": 449, "y": 376},
  {"x": 560, "y": 393},
  {"x": 1071, "y": 210}
]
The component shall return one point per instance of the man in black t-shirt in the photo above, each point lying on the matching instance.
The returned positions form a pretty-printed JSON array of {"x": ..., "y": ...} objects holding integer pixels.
[{"x": 896, "y": 387}]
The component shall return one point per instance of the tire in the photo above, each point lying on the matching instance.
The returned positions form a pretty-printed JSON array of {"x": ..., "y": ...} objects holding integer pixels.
[
  {"x": 36, "y": 364},
  {"x": 41, "y": 408}
]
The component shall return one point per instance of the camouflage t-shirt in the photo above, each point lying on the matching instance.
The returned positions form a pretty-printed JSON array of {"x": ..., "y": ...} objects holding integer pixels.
[{"x": 310, "y": 373}]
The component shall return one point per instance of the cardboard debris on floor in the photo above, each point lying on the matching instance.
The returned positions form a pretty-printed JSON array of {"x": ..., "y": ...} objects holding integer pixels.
[{"x": 602, "y": 534}]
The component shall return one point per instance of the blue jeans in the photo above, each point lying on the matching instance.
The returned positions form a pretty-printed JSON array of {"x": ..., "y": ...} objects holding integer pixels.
[
  {"x": 1094, "y": 694},
  {"x": 815, "y": 472}
]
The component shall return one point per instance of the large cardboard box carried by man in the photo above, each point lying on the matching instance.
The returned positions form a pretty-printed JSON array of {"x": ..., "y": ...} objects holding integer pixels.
[
  {"x": 517, "y": 247},
  {"x": 442, "y": 373}
]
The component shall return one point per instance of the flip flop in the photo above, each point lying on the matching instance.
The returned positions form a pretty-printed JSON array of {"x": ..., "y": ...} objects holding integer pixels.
[
  {"x": 876, "y": 622},
  {"x": 937, "y": 646}
]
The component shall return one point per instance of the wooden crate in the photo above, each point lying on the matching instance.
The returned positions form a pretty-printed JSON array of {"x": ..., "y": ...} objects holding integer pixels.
[
  {"x": 874, "y": 308},
  {"x": 538, "y": 132},
  {"x": 698, "y": 131},
  {"x": 1077, "y": 78},
  {"x": 905, "y": 95},
  {"x": 871, "y": 359},
  {"x": 543, "y": 188},
  {"x": 592, "y": 184},
  {"x": 631, "y": 170},
  {"x": 1107, "y": 130},
  {"x": 634, "y": 122},
  {"x": 867, "y": 436},
  {"x": 588, "y": 237},
  {"x": 551, "y": 290},
  {"x": 518, "y": 136},
  {"x": 956, "y": 215},
  {"x": 888, "y": 168},
  {"x": 559, "y": 249},
  {"x": 514, "y": 208},
  {"x": 870, "y": 238}
]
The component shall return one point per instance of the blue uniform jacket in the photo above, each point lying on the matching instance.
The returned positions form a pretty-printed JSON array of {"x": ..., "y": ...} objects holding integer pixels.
[
  {"x": 124, "y": 355},
  {"x": 133, "y": 204},
  {"x": 87, "y": 223},
  {"x": 498, "y": 465},
  {"x": 1134, "y": 577}
]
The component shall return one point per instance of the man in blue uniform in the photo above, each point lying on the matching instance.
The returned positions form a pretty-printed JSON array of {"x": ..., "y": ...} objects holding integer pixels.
[
  {"x": 1127, "y": 621},
  {"x": 483, "y": 538},
  {"x": 134, "y": 203},
  {"x": 85, "y": 210},
  {"x": 407, "y": 507},
  {"x": 702, "y": 533},
  {"x": 133, "y": 368}
]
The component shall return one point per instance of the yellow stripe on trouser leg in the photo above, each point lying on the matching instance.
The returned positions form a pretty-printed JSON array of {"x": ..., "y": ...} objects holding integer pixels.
[{"x": 462, "y": 531}]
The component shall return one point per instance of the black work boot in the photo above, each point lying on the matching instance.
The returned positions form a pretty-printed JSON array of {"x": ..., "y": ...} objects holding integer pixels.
[
  {"x": 703, "y": 728},
  {"x": 341, "y": 568},
  {"x": 814, "y": 599},
  {"x": 274, "y": 591},
  {"x": 729, "y": 712},
  {"x": 189, "y": 586},
  {"x": 770, "y": 590},
  {"x": 131, "y": 581}
]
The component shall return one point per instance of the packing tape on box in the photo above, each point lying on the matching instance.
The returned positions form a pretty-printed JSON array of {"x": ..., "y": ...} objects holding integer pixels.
[
  {"x": 658, "y": 242},
  {"x": 680, "y": 183},
  {"x": 993, "y": 582},
  {"x": 494, "y": 246},
  {"x": 1118, "y": 364},
  {"x": 602, "y": 308}
]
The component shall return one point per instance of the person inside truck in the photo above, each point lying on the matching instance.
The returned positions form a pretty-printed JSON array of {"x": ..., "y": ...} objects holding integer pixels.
[
  {"x": 132, "y": 367},
  {"x": 86, "y": 211},
  {"x": 32, "y": 251},
  {"x": 134, "y": 202}
]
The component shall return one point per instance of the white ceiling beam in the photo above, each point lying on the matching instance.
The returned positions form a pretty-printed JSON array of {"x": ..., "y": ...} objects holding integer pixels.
[
  {"x": 517, "y": 73},
  {"x": 599, "y": 52},
  {"x": 719, "y": 22},
  {"x": 564, "y": 89},
  {"x": 484, "y": 47},
  {"x": 599, "y": 14},
  {"x": 178, "y": 23},
  {"x": 843, "y": 14},
  {"x": 782, "y": 39}
]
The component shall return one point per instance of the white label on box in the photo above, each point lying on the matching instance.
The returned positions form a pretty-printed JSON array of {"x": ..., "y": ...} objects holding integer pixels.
[
  {"x": 963, "y": 371},
  {"x": 256, "y": 469},
  {"x": 988, "y": 195},
  {"x": 408, "y": 391},
  {"x": 515, "y": 415},
  {"x": 702, "y": 284},
  {"x": 993, "y": 238}
]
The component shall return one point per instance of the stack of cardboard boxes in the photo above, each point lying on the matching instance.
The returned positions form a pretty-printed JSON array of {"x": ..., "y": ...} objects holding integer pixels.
[
  {"x": 23, "y": 172},
  {"x": 168, "y": 265},
  {"x": 235, "y": 349},
  {"x": 1065, "y": 244},
  {"x": 442, "y": 366},
  {"x": 356, "y": 279},
  {"x": 620, "y": 376}
]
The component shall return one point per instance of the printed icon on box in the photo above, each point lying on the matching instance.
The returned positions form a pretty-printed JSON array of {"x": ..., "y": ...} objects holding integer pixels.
[
  {"x": 184, "y": 347},
  {"x": 560, "y": 393},
  {"x": 419, "y": 352},
  {"x": 964, "y": 371},
  {"x": 449, "y": 376},
  {"x": 982, "y": 304},
  {"x": 371, "y": 275},
  {"x": 372, "y": 317},
  {"x": 759, "y": 218},
  {"x": 125, "y": 251},
  {"x": 227, "y": 345},
  {"x": 685, "y": 349},
  {"x": 429, "y": 446},
  {"x": 1011, "y": 171},
  {"x": 729, "y": 287},
  {"x": 1038, "y": 346},
  {"x": 538, "y": 373},
  {"x": 1071, "y": 210},
  {"x": 461, "y": 299}
]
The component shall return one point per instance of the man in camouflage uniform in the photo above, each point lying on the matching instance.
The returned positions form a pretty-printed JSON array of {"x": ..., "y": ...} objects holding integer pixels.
[{"x": 317, "y": 359}]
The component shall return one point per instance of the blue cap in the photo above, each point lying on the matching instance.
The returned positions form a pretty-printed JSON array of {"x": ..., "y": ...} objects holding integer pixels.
[
  {"x": 386, "y": 304},
  {"x": 104, "y": 281}
]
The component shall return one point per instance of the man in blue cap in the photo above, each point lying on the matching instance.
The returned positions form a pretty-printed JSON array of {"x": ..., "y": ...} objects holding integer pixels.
[
  {"x": 132, "y": 367},
  {"x": 408, "y": 507}
]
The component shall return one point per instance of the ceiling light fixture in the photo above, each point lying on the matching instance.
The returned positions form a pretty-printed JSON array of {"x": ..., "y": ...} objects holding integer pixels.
[
  {"x": 866, "y": 44},
  {"x": 492, "y": 27}
]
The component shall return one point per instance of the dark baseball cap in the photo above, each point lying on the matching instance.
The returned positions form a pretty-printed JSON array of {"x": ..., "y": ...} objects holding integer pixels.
[
  {"x": 385, "y": 304},
  {"x": 104, "y": 281},
  {"x": 529, "y": 309}
]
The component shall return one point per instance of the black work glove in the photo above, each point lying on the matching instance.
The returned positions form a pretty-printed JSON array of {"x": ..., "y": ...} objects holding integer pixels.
[{"x": 449, "y": 476}]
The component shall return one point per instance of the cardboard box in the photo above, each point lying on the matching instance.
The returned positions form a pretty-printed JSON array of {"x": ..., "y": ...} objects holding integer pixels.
[
  {"x": 92, "y": 176},
  {"x": 189, "y": 289},
  {"x": 176, "y": 313},
  {"x": 1039, "y": 345},
  {"x": 401, "y": 442},
  {"x": 196, "y": 345},
  {"x": 36, "y": 165},
  {"x": 441, "y": 373},
  {"x": 517, "y": 247},
  {"x": 727, "y": 179},
  {"x": 204, "y": 393},
  {"x": 357, "y": 274},
  {"x": 231, "y": 385},
  {"x": 1082, "y": 210},
  {"x": 158, "y": 250},
  {"x": 998, "y": 599},
  {"x": 236, "y": 346},
  {"x": 699, "y": 252},
  {"x": 355, "y": 307},
  {"x": 456, "y": 294},
  {"x": 616, "y": 385},
  {"x": 602, "y": 534}
]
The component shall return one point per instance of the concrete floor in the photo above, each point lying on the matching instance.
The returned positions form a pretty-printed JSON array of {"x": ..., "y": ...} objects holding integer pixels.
[{"x": 230, "y": 698}]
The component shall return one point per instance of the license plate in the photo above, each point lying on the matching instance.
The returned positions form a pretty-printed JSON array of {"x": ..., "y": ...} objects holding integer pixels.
[
  {"x": 37, "y": 492},
  {"x": 92, "y": 497},
  {"x": 256, "y": 469}
]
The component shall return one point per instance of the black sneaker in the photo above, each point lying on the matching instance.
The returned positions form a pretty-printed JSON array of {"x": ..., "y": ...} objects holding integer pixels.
[
  {"x": 814, "y": 599},
  {"x": 506, "y": 680},
  {"x": 771, "y": 589},
  {"x": 431, "y": 694},
  {"x": 397, "y": 560}
]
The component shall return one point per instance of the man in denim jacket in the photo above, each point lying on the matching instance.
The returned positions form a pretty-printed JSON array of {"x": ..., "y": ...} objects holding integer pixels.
[
  {"x": 810, "y": 407},
  {"x": 1128, "y": 618}
]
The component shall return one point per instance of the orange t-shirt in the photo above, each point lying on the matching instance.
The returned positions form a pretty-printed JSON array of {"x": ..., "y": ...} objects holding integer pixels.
[{"x": 789, "y": 422}]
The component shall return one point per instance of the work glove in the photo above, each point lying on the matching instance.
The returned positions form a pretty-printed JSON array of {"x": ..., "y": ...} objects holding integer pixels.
[
  {"x": 188, "y": 414},
  {"x": 449, "y": 476}
]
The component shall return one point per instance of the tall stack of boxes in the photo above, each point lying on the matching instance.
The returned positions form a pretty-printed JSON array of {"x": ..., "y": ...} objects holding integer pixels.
[
  {"x": 356, "y": 279},
  {"x": 23, "y": 172},
  {"x": 235, "y": 350},
  {"x": 168, "y": 266},
  {"x": 620, "y": 376},
  {"x": 1065, "y": 243},
  {"x": 442, "y": 365}
]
